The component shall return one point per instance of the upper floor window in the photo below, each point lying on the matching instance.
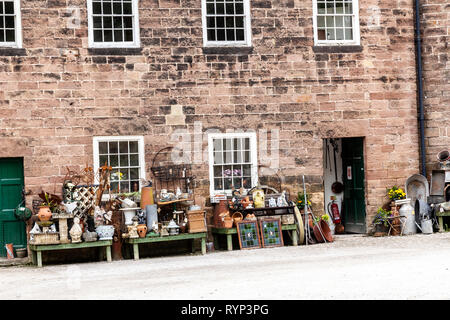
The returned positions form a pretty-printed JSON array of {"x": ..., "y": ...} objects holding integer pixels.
[
  {"x": 226, "y": 22},
  {"x": 10, "y": 24},
  {"x": 336, "y": 22},
  {"x": 113, "y": 23}
]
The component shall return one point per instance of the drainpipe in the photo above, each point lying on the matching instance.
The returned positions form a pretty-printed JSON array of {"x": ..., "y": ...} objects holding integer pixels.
[{"x": 420, "y": 89}]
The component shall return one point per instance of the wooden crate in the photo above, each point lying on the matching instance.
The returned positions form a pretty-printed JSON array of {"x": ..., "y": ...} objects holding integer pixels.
[
  {"x": 196, "y": 221},
  {"x": 45, "y": 238}
]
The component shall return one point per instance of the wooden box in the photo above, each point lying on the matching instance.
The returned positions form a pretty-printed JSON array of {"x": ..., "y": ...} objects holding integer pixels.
[
  {"x": 45, "y": 238},
  {"x": 196, "y": 221}
]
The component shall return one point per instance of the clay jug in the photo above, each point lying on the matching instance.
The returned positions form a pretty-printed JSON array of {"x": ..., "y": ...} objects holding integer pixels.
[
  {"x": 146, "y": 197},
  {"x": 220, "y": 209},
  {"x": 142, "y": 230},
  {"x": 44, "y": 213}
]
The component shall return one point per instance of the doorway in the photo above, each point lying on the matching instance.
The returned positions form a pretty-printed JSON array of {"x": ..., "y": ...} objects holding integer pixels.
[
  {"x": 344, "y": 167},
  {"x": 12, "y": 230}
]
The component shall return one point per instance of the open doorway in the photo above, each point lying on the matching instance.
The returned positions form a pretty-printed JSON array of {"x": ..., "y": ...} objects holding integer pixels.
[{"x": 344, "y": 181}]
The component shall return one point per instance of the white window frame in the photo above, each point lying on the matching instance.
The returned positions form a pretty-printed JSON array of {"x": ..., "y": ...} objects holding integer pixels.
[
  {"x": 17, "y": 28},
  {"x": 123, "y": 44},
  {"x": 247, "y": 30},
  {"x": 355, "y": 28},
  {"x": 253, "y": 155},
  {"x": 141, "y": 150}
]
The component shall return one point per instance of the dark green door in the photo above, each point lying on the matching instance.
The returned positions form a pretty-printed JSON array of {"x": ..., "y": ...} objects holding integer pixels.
[
  {"x": 12, "y": 230},
  {"x": 354, "y": 194}
]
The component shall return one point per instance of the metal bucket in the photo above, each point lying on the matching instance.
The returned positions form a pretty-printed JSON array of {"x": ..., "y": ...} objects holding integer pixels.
[{"x": 427, "y": 226}]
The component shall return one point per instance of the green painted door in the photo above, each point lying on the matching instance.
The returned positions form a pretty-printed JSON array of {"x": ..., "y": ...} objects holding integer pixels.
[
  {"x": 12, "y": 230},
  {"x": 354, "y": 194}
]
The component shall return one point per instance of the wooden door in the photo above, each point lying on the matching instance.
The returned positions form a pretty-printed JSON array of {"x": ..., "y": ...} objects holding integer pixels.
[
  {"x": 354, "y": 208},
  {"x": 12, "y": 230}
]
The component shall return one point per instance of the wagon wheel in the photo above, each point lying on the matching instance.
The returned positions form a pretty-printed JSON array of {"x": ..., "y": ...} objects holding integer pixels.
[{"x": 265, "y": 188}]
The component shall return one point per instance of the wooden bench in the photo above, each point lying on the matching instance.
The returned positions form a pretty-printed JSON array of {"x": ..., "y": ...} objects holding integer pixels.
[
  {"x": 37, "y": 250},
  {"x": 183, "y": 236},
  {"x": 441, "y": 216},
  {"x": 229, "y": 232}
]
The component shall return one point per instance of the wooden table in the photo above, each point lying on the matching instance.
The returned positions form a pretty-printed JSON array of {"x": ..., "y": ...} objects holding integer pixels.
[
  {"x": 229, "y": 232},
  {"x": 37, "y": 250},
  {"x": 182, "y": 236},
  {"x": 441, "y": 216}
]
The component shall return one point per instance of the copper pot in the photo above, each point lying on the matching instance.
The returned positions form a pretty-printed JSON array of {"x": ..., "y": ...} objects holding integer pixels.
[{"x": 44, "y": 213}]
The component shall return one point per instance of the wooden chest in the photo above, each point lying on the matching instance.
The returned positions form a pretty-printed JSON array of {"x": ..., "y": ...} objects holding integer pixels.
[{"x": 196, "y": 221}]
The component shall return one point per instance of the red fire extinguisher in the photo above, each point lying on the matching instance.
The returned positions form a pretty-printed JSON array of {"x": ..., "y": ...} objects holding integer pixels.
[{"x": 333, "y": 210}]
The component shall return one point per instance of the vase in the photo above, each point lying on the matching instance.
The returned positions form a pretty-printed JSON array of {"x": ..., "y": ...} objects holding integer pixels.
[
  {"x": 105, "y": 232},
  {"x": 44, "y": 213},
  {"x": 146, "y": 197},
  {"x": 142, "y": 230},
  {"x": 219, "y": 210}
]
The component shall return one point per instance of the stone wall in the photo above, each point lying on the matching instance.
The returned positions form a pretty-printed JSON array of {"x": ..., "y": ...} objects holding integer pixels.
[
  {"x": 57, "y": 94},
  {"x": 436, "y": 73}
]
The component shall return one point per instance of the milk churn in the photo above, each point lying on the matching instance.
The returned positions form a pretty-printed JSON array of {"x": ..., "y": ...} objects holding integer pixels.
[{"x": 407, "y": 210}]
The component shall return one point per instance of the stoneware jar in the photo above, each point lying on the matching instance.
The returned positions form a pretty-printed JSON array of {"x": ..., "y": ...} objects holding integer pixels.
[{"x": 44, "y": 213}]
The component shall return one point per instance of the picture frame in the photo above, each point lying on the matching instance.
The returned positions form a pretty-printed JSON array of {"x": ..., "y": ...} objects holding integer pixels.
[
  {"x": 271, "y": 233},
  {"x": 248, "y": 234}
]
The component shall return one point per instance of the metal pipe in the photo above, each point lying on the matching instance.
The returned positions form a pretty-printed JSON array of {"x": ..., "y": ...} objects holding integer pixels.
[{"x": 420, "y": 88}]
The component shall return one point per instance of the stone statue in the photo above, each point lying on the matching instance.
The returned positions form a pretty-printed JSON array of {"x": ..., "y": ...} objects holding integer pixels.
[{"x": 76, "y": 231}]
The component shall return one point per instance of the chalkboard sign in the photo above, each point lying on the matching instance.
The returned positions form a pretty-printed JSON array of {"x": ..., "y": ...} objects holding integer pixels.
[
  {"x": 248, "y": 234},
  {"x": 271, "y": 233}
]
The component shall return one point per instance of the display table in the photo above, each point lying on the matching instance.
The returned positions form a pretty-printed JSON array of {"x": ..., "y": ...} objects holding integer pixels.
[
  {"x": 216, "y": 232},
  {"x": 37, "y": 250},
  {"x": 440, "y": 216},
  {"x": 182, "y": 236}
]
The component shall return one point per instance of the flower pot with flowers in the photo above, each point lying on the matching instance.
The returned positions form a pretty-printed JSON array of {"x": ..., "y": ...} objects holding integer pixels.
[
  {"x": 300, "y": 202},
  {"x": 381, "y": 222},
  {"x": 395, "y": 193}
]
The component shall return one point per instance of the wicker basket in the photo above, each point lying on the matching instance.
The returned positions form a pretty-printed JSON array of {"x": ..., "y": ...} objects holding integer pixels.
[
  {"x": 237, "y": 216},
  {"x": 45, "y": 238}
]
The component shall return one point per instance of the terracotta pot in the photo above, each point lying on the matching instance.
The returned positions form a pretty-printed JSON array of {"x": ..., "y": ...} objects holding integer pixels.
[
  {"x": 44, "y": 213},
  {"x": 227, "y": 222},
  {"x": 326, "y": 231},
  {"x": 220, "y": 209},
  {"x": 146, "y": 197},
  {"x": 142, "y": 230}
]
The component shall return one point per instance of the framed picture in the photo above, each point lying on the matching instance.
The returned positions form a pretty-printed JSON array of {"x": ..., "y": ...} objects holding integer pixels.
[
  {"x": 248, "y": 234},
  {"x": 271, "y": 233}
]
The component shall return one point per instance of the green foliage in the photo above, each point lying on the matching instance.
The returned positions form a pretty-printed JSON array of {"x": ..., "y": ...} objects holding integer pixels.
[
  {"x": 301, "y": 200},
  {"x": 382, "y": 217}
]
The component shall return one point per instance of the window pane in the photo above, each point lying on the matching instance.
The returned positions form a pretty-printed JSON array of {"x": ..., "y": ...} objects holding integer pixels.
[
  {"x": 117, "y": 8},
  {"x": 107, "y": 9},
  {"x": 210, "y": 8},
  {"x": 124, "y": 160},
  {"x": 127, "y": 22},
  {"x": 134, "y": 160},
  {"x": 330, "y": 22},
  {"x": 210, "y": 22},
  {"x": 103, "y": 147},
  {"x": 247, "y": 182},
  {"x": 230, "y": 35},
  {"x": 117, "y": 22},
  {"x": 220, "y": 22},
  {"x": 246, "y": 170},
  {"x": 246, "y": 144},
  {"x": 237, "y": 182},
  {"x": 321, "y": 8},
  {"x": 103, "y": 160},
  {"x": 348, "y": 34},
  {"x": 127, "y": 8},
  {"x": 228, "y": 157},
  {"x": 348, "y": 8},
  {"x": 128, "y": 35},
  {"x": 321, "y": 34},
  {"x": 134, "y": 173},
  {"x": 228, "y": 182},
  {"x": 230, "y": 8},
  {"x": 113, "y": 147},
  {"x": 330, "y": 8},
  {"x": 230, "y": 22},
  {"x": 114, "y": 160},
  {"x": 227, "y": 144},
  {"x": 212, "y": 34},
  {"x": 217, "y": 145},
  {"x": 1, "y": 22},
  {"x": 108, "y": 35},
  {"x": 237, "y": 143},
  {"x": 96, "y": 7},
  {"x": 239, "y": 8},
  {"x": 240, "y": 35},
  {"x": 218, "y": 171},
  {"x": 348, "y": 22},
  {"x": 9, "y": 22},
  {"x": 339, "y": 21},
  {"x": 237, "y": 156},
  {"x": 98, "y": 35},
  {"x": 339, "y": 34},
  {"x": 9, "y": 7},
  {"x": 97, "y": 22},
  {"x": 123, "y": 146},
  {"x": 237, "y": 171},
  {"x": 239, "y": 22},
  {"x": 107, "y": 22},
  {"x": 124, "y": 186},
  {"x": 218, "y": 185},
  {"x": 220, "y": 8},
  {"x": 118, "y": 35},
  {"x": 330, "y": 34},
  {"x": 247, "y": 157},
  {"x": 320, "y": 22},
  {"x": 134, "y": 147},
  {"x": 114, "y": 187}
]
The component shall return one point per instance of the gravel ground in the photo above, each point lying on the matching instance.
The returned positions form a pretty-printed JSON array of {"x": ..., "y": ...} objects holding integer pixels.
[{"x": 353, "y": 267}]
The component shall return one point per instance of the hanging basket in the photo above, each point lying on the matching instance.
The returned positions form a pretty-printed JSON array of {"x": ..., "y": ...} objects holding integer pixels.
[{"x": 237, "y": 216}]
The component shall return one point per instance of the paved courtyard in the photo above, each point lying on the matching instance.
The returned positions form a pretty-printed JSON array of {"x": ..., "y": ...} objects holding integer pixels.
[{"x": 353, "y": 267}]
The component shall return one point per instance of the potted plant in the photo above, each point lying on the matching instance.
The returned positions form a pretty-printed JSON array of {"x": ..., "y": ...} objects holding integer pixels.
[
  {"x": 396, "y": 193},
  {"x": 300, "y": 202},
  {"x": 381, "y": 221},
  {"x": 48, "y": 206}
]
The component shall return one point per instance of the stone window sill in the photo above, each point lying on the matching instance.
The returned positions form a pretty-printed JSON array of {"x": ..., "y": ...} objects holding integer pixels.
[
  {"x": 115, "y": 51},
  {"x": 337, "y": 49},
  {"x": 227, "y": 50},
  {"x": 12, "y": 52}
]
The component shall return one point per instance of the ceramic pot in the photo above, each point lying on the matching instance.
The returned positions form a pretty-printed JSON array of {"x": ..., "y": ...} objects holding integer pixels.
[
  {"x": 142, "y": 230},
  {"x": 105, "y": 232},
  {"x": 326, "y": 231},
  {"x": 44, "y": 213},
  {"x": 146, "y": 197},
  {"x": 219, "y": 210}
]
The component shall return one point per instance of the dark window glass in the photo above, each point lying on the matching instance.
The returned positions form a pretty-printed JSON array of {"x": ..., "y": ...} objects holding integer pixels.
[
  {"x": 239, "y": 22},
  {"x": 220, "y": 9},
  {"x": 117, "y": 22},
  {"x": 2, "y": 36},
  {"x": 220, "y": 34},
  {"x": 118, "y": 36},
  {"x": 9, "y": 7},
  {"x": 230, "y": 35},
  {"x": 127, "y": 22},
  {"x": 98, "y": 37},
  {"x": 211, "y": 35},
  {"x": 230, "y": 22},
  {"x": 108, "y": 35},
  {"x": 230, "y": 8},
  {"x": 10, "y": 36},
  {"x": 210, "y": 8},
  {"x": 220, "y": 22},
  {"x": 97, "y": 7},
  {"x": 127, "y": 8},
  {"x": 1, "y": 23},
  {"x": 240, "y": 35},
  {"x": 210, "y": 22},
  {"x": 97, "y": 22},
  {"x": 128, "y": 35},
  {"x": 107, "y": 7},
  {"x": 117, "y": 8},
  {"x": 239, "y": 8},
  {"x": 107, "y": 22},
  {"x": 9, "y": 22}
]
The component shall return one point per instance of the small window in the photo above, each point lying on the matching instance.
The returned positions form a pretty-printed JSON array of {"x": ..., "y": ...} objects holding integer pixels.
[
  {"x": 126, "y": 157},
  {"x": 336, "y": 22},
  {"x": 226, "y": 22},
  {"x": 113, "y": 23},
  {"x": 232, "y": 162},
  {"x": 10, "y": 24}
]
